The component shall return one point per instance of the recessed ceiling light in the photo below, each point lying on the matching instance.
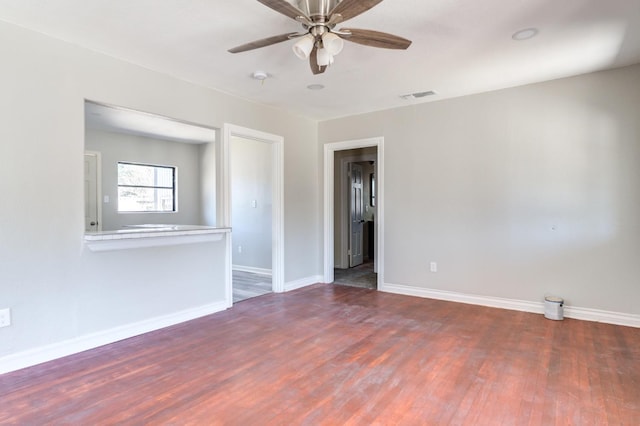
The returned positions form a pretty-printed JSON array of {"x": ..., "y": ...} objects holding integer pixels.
[
  {"x": 315, "y": 86},
  {"x": 525, "y": 34}
]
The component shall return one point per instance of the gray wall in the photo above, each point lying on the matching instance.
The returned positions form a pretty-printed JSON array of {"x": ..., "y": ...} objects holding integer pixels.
[
  {"x": 116, "y": 147},
  {"x": 57, "y": 290},
  {"x": 251, "y": 181},
  {"x": 517, "y": 192}
]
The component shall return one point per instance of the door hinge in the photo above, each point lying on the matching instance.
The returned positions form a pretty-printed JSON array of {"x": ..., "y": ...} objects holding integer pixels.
[{"x": 349, "y": 252}]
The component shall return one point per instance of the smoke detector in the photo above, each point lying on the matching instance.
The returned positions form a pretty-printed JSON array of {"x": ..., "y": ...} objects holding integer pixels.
[{"x": 259, "y": 75}]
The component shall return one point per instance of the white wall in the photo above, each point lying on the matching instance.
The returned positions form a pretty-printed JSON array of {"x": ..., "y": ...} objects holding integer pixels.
[
  {"x": 515, "y": 193},
  {"x": 251, "y": 183},
  {"x": 117, "y": 147},
  {"x": 56, "y": 289}
]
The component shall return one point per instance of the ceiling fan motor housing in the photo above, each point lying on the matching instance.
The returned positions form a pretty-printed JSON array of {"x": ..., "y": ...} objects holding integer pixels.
[{"x": 313, "y": 8}]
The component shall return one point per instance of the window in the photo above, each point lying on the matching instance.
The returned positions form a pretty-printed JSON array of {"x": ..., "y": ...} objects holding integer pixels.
[{"x": 146, "y": 188}]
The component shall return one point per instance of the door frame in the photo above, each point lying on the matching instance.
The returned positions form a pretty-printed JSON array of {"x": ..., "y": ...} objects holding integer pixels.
[
  {"x": 329, "y": 153},
  {"x": 277, "y": 197}
]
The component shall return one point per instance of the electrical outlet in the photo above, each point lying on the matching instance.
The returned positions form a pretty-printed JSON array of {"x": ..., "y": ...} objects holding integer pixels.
[
  {"x": 239, "y": 249},
  {"x": 433, "y": 267},
  {"x": 5, "y": 317}
]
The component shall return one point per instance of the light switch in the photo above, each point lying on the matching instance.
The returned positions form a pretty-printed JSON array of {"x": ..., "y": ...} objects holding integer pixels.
[{"x": 106, "y": 199}]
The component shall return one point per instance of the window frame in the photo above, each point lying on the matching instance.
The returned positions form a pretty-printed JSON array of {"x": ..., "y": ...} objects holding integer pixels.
[{"x": 173, "y": 188}]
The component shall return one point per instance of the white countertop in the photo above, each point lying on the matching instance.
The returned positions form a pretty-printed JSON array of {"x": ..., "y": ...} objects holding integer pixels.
[
  {"x": 152, "y": 235},
  {"x": 153, "y": 230}
]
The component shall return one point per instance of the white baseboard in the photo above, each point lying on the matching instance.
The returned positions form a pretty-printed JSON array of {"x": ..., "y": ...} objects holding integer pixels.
[
  {"x": 303, "y": 282},
  {"x": 587, "y": 314},
  {"x": 251, "y": 269},
  {"x": 53, "y": 351},
  {"x": 597, "y": 315}
]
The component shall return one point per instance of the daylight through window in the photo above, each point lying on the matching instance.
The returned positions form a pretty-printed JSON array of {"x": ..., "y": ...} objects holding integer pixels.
[{"x": 146, "y": 188}]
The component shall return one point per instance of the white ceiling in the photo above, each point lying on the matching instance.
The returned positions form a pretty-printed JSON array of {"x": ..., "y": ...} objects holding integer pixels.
[
  {"x": 459, "y": 47},
  {"x": 124, "y": 120}
]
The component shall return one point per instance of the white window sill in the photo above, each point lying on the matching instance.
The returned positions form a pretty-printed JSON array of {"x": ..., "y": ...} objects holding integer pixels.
[{"x": 152, "y": 236}]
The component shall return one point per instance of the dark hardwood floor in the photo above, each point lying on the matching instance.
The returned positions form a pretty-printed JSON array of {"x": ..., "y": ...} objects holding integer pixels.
[{"x": 342, "y": 355}]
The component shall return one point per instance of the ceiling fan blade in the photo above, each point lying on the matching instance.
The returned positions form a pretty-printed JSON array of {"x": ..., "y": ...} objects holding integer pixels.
[
  {"x": 352, "y": 8},
  {"x": 313, "y": 61},
  {"x": 375, "y": 38},
  {"x": 284, "y": 7},
  {"x": 263, "y": 42}
]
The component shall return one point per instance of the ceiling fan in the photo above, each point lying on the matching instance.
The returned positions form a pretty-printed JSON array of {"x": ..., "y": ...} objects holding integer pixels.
[{"x": 321, "y": 41}]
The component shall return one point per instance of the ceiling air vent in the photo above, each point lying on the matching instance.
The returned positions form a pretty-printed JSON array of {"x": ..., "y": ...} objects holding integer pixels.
[{"x": 418, "y": 95}]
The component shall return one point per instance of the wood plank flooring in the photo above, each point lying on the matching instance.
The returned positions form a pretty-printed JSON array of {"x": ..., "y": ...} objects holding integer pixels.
[
  {"x": 360, "y": 276},
  {"x": 330, "y": 355},
  {"x": 247, "y": 285}
]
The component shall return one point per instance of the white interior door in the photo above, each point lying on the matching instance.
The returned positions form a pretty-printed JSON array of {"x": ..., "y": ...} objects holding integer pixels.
[
  {"x": 91, "y": 206},
  {"x": 356, "y": 222}
]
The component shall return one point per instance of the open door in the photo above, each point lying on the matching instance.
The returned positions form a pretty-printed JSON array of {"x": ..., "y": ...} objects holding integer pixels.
[{"x": 356, "y": 222}]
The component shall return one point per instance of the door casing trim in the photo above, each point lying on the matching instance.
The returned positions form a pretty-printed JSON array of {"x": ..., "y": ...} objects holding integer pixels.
[{"x": 277, "y": 198}]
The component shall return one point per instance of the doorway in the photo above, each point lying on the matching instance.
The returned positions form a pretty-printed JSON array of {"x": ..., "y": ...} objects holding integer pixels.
[
  {"x": 276, "y": 208},
  {"x": 251, "y": 218},
  {"x": 335, "y": 196},
  {"x": 355, "y": 215}
]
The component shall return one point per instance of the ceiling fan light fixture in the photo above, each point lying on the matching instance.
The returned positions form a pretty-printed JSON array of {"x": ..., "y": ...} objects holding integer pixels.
[
  {"x": 332, "y": 43},
  {"x": 324, "y": 57},
  {"x": 302, "y": 48}
]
